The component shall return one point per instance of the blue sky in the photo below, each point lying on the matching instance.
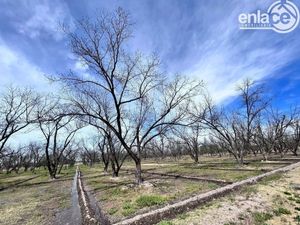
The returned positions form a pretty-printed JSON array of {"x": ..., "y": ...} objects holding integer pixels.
[{"x": 197, "y": 38}]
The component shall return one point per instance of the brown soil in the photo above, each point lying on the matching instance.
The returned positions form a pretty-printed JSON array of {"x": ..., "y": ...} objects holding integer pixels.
[{"x": 240, "y": 207}]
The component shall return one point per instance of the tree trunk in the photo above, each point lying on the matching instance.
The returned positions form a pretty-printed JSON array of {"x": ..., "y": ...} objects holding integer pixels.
[
  {"x": 113, "y": 167},
  {"x": 115, "y": 173},
  {"x": 51, "y": 172},
  {"x": 196, "y": 158},
  {"x": 60, "y": 168},
  {"x": 33, "y": 169},
  {"x": 138, "y": 172},
  {"x": 52, "y": 175},
  {"x": 241, "y": 160},
  {"x": 236, "y": 157},
  {"x": 265, "y": 156},
  {"x": 105, "y": 169}
]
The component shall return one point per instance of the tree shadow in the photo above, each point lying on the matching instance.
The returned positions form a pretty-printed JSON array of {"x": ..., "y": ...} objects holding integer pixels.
[{"x": 15, "y": 184}]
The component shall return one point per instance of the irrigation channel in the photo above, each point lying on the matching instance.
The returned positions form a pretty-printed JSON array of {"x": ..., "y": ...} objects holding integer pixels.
[
  {"x": 86, "y": 211},
  {"x": 71, "y": 216}
]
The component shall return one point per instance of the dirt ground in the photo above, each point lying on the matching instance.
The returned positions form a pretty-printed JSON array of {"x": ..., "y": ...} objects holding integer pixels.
[
  {"x": 275, "y": 201},
  {"x": 28, "y": 198},
  {"x": 33, "y": 199},
  {"x": 120, "y": 197}
]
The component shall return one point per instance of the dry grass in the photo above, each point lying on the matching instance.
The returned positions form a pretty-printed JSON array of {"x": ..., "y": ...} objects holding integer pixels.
[
  {"x": 33, "y": 201},
  {"x": 120, "y": 197},
  {"x": 272, "y": 201}
]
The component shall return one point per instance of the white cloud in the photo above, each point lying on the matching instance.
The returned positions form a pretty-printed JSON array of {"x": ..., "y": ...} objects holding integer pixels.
[
  {"x": 229, "y": 55},
  {"x": 16, "y": 69},
  {"x": 46, "y": 18},
  {"x": 80, "y": 66},
  {"x": 204, "y": 41}
]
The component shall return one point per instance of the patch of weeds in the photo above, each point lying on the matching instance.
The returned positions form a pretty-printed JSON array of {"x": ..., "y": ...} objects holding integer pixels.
[
  {"x": 150, "y": 200},
  {"x": 297, "y": 201},
  {"x": 64, "y": 202},
  {"x": 115, "y": 191},
  {"x": 241, "y": 218},
  {"x": 128, "y": 209},
  {"x": 183, "y": 216},
  {"x": 231, "y": 198},
  {"x": 212, "y": 185},
  {"x": 241, "y": 177},
  {"x": 273, "y": 177},
  {"x": 218, "y": 205},
  {"x": 191, "y": 187},
  {"x": 281, "y": 211},
  {"x": 103, "y": 198},
  {"x": 165, "y": 222},
  {"x": 260, "y": 218},
  {"x": 291, "y": 198},
  {"x": 112, "y": 211},
  {"x": 297, "y": 208},
  {"x": 278, "y": 199},
  {"x": 297, "y": 219},
  {"x": 248, "y": 190},
  {"x": 95, "y": 183},
  {"x": 230, "y": 223}
]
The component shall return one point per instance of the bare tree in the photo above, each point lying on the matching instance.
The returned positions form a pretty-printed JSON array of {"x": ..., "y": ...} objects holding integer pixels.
[
  {"x": 58, "y": 131},
  {"x": 294, "y": 139},
  {"x": 175, "y": 148},
  {"x": 140, "y": 101},
  {"x": 235, "y": 129},
  {"x": 16, "y": 112},
  {"x": 211, "y": 147},
  {"x": 253, "y": 103},
  {"x": 89, "y": 153},
  {"x": 116, "y": 153},
  {"x": 271, "y": 136},
  {"x": 104, "y": 151},
  {"x": 191, "y": 137},
  {"x": 13, "y": 159},
  {"x": 25, "y": 159},
  {"x": 158, "y": 147},
  {"x": 224, "y": 130},
  {"x": 69, "y": 156},
  {"x": 36, "y": 154}
]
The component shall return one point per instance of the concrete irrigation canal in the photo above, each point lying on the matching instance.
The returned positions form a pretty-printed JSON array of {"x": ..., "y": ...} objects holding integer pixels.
[
  {"x": 85, "y": 209},
  {"x": 71, "y": 216}
]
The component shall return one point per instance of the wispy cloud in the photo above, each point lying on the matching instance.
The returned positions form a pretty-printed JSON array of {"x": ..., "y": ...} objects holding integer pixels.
[
  {"x": 229, "y": 55},
  {"x": 16, "y": 69},
  {"x": 197, "y": 38},
  {"x": 45, "y": 19},
  {"x": 203, "y": 40}
]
